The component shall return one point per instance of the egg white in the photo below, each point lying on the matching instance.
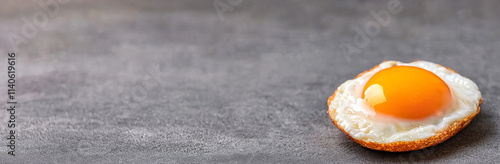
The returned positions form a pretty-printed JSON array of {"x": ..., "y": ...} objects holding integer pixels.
[{"x": 359, "y": 119}]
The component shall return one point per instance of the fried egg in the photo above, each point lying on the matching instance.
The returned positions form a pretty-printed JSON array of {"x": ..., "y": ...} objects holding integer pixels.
[{"x": 399, "y": 106}]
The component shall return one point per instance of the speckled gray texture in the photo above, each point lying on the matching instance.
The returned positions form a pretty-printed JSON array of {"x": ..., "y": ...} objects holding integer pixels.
[{"x": 173, "y": 82}]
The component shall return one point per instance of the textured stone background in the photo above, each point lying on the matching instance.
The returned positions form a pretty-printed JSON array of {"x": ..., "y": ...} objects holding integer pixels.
[{"x": 172, "y": 82}]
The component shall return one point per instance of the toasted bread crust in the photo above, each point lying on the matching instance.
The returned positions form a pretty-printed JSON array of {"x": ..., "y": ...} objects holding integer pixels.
[{"x": 402, "y": 146}]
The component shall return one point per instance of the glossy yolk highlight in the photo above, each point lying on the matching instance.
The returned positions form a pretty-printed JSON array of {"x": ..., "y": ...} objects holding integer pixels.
[{"x": 407, "y": 92}]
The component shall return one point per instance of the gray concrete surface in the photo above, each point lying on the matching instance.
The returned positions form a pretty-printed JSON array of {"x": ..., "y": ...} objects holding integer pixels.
[{"x": 175, "y": 82}]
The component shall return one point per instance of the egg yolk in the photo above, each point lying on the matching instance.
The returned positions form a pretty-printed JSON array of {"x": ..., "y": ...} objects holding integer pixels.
[{"x": 407, "y": 92}]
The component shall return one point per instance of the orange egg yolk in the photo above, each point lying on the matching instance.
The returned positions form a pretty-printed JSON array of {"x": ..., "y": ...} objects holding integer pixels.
[{"x": 407, "y": 92}]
